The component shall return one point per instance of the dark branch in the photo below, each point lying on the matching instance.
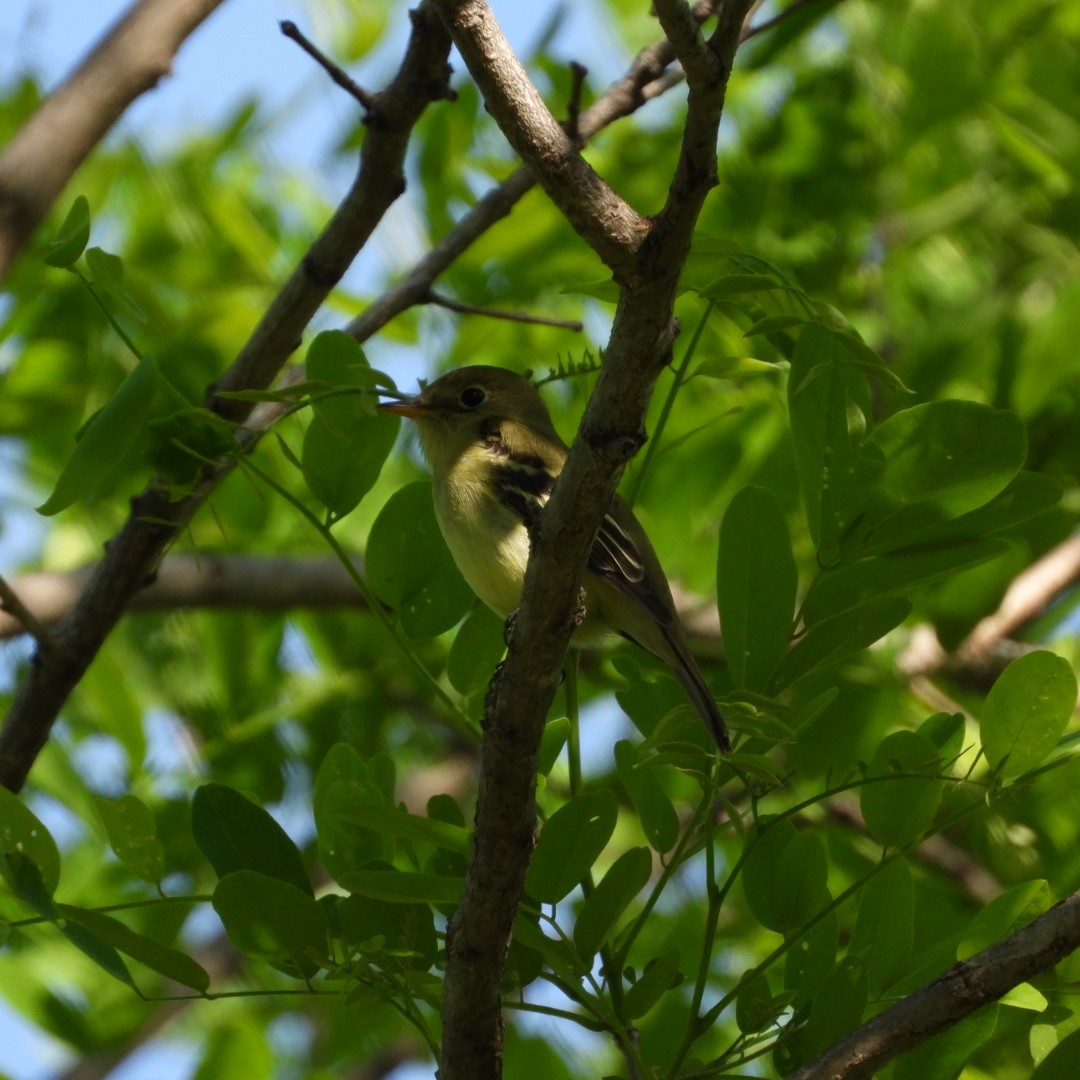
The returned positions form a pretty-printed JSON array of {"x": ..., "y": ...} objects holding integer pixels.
[
  {"x": 24, "y": 618},
  {"x": 494, "y": 313},
  {"x": 965, "y": 987},
  {"x": 609, "y": 225},
  {"x": 647, "y": 258},
  {"x": 367, "y": 99},
  {"x": 578, "y": 72}
]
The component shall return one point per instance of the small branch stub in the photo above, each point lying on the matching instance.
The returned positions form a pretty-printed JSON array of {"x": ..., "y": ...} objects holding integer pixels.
[{"x": 368, "y": 100}]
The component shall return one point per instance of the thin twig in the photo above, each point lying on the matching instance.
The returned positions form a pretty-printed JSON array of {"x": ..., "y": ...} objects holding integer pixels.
[
  {"x": 494, "y": 313},
  {"x": 367, "y": 99},
  {"x": 9, "y": 601},
  {"x": 573, "y": 107}
]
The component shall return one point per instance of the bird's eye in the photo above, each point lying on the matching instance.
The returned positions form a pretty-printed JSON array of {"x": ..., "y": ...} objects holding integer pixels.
[{"x": 472, "y": 397}]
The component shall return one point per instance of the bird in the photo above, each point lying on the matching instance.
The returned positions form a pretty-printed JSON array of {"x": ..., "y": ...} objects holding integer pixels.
[{"x": 495, "y": 457}]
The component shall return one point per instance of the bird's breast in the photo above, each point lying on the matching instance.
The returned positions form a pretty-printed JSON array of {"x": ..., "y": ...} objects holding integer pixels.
[{"x": 488, "y": 541}]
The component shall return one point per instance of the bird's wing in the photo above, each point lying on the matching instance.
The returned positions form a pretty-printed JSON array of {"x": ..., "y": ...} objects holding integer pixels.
[{"x": 617, "y": 555}]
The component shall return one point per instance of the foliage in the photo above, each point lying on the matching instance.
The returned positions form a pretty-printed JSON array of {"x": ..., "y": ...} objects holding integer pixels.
[{"x": 837, "y": 480}]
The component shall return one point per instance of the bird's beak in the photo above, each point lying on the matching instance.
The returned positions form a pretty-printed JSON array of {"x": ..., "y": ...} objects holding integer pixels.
[{"x": 411, "y": 407}]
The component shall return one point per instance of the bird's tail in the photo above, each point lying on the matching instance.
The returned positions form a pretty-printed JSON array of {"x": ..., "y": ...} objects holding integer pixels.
[{"x": 687, "y": 672}]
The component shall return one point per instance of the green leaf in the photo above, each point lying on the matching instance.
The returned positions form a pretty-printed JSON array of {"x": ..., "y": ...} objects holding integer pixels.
[
  {"x": 819, "y": 402},
  {"x": 410, "y": 567},
  {"x": 1025, "y": 996},
  {"x": 106, "y": 269},
  {"x": 269, "y": 919},
  {"x": 24, "y": 877},
  {"x": 659, "y": 976},
  {"x": 1026, "y": 711},
  {"x": 102, "y": 953},
  {"x": 21, "y": 832},
  {"x": 1004, "y": 915},
  {"x": 804, "y": 871},
  {"x": 478, "y": 646},
  {"x": 774, "y": 895},
  {"x": 810, "y": 960},
  {"x": 106, "y": 439},
  {"x": 658, "y": 819},
  {"x": 939, "y": 460},
  {"x": 733, "y": 284},
  {"x": 944, "y": 1056},
  {"x": 1024, "y": 497},
  {"x": 344, "y": 846},
  {"x": 400, "y": 887},
  {"x": 763, "y": 873},
  {"x": 347, "y": 441},
  {"x": 834, "y": 639},
  {"x": 734, "y": 368},
  {"x": 756, "y": 581},
  {"x": 237, "y": 1050},
  {"x": 404, "y": 934},
  {"x": 885, "y": 928},
  {"x": 391, "y": 821},
  {"x": 234, "y": 834},
  {"x": 773, "y": 324},
  {"x": 754, "y": 1008},
  {"x": 556, "y": 953},
  {"x": 837, "y": 1009},
  {"x": 599, "y": 289},
  {"x": 1060, "y": 1063},
  {"x": 569, "y": 844},
  {"x": 73, "y": 236},
  {"x": 555, "y": 735},
  {"x": 946, "y": 732},
  {"x": 132, "y": 832},
  {"x": 164, "y": 960},
  {"x": 871, "y": 580},
  {"x": 900, "y": 809},
  {"x": 604, "y": 906}
]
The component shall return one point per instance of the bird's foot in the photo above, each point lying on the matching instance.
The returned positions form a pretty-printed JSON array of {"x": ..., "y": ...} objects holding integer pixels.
[{"x": 577, "y": 616}]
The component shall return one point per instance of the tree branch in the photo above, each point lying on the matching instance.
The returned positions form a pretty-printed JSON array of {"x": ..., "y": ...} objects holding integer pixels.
[
  {"x": 133, "y": 554},
  {"x": 605, "y": 221},
  {"x": 646, "y": 78},
  {"x": 965, "y": 987},
  {"x": 610, "y": 433},
  {"x": 44, "y": 154}
]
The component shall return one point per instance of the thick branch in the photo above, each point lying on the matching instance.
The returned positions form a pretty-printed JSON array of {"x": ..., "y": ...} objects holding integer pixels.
[
  {"x": 647, "y": 77},
  {"x": 133, "y": 554},
  {"x": 131, "y": 59},
  {"x": 609, "y": 225},
  {"x": 965, "y": 987},
  {"x": 610, "y": 433}
]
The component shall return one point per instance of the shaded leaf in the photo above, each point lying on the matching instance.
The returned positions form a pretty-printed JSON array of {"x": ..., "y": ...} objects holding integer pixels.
[
  {"x": 73, "y": 236},
  {"x": 569, "y": 844},
  {"x": 267, "y": 918},
  {"x": 756, "y": 581},
  {"x": 106, "y": 439},
  {"x": 900, "y": 809},
  {"x": 1026, "y": 711},
  {"x": 655, "y": 811},
  {"x": 603, "y": 907},
  {"x": 164, "y": 960},
  {"x": 234, "y": 834},
  {"x": 132, "y": 832}
]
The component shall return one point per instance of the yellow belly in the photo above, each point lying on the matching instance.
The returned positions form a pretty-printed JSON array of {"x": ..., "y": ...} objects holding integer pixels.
[{"x": 488, "y": 542}]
